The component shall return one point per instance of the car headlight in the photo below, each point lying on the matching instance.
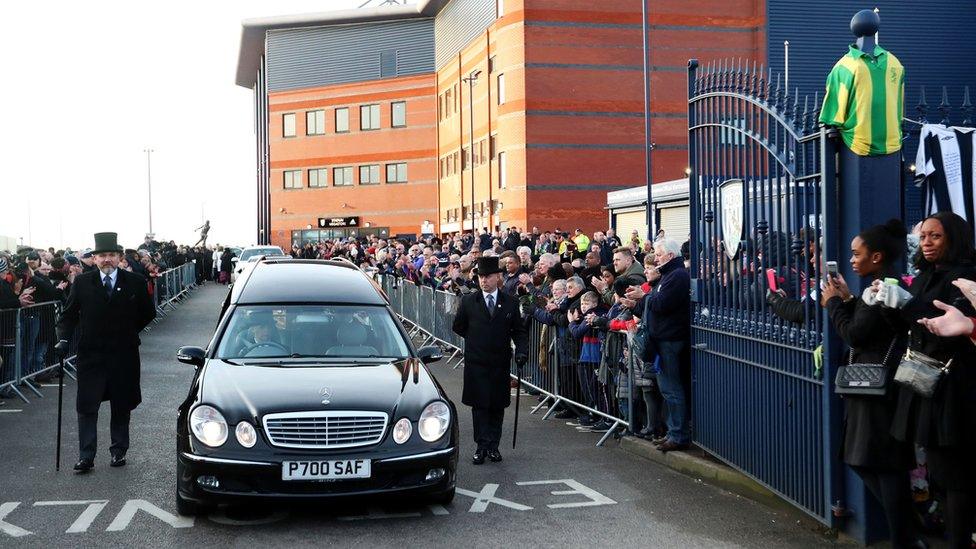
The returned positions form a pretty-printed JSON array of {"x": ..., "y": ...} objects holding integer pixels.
[
  {"x": 434, "y": 421},
  {"x": 402, "y": 430},
  {"x": 208, "y": 425},
  {"x": 246, "y": 434}
]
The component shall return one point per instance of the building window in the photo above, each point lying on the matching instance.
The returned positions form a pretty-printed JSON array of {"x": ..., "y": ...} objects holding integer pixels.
[
  {"x": 292, "y": 179},
  {"x": 341, "y": 177},
  {"x": 448, "y": 109},
  {"x": 502, "y": 166},
  {"x": 456, "y": 95},
  {"x": 465, "y": 158},
  {"x": 491, "y": 64},
  {"x": 388, "y": 63},
  {"x": 288, "y": 125},
  {"x": 369, "y": 117},
  {"x": 342, "y": 119},
  {"x": 396, "y": 173},
  {"x": 369, "y": 175},
  {"x": 501, "y": 88},
  {"x": 317, "y": 177},
  {"x": 501, "y": 8},
  {"x": 493, "y": 145},
  {"x": 315, "y": 123},
  {"x": 398, "y": 113}
]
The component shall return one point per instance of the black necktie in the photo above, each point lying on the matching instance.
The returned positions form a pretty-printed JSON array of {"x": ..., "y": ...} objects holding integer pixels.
[
  {"x": 491, "y": 305},
  {"x": 108, "y": 286}
]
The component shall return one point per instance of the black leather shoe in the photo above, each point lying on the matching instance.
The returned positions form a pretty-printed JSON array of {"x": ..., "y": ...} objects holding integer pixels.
[
  {"x": 84, "y": 465},
  {"x": 494, "y": 455},
  {"x": 118, "y": 460},
  {"x": 478, "y": 458},
  {"x": 659, "y": 440}
]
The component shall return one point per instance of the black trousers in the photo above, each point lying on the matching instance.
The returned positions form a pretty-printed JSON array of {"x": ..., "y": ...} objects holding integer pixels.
[
  {"x": 487, "y": 427},
  {"x": 88, "y": 433},
  {"x": 893, "y": 491}
]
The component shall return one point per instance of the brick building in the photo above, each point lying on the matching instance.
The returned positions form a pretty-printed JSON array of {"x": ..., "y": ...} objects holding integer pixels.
[{"x": 365, "y": 117}]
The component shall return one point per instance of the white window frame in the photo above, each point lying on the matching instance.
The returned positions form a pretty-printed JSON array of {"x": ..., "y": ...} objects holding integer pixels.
[
  {"x": 393, "y": 116},
  {"x": 500, "y": 80},
  {"x": 502, "y": 170},
  {"x": 399, "y": 172},
  {"x": 373, "y": 174},
  {"x": 315, "y": 122}
]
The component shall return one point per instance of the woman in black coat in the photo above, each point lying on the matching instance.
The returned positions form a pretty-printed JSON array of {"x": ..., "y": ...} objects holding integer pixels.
[
  {"x": 945, "y": 424},
  {"x": 226, "y": 265},
  {"x": 878, "y": 458}
]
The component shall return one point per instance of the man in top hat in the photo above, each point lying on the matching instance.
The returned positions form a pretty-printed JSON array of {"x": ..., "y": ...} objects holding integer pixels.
[
  {"x": 489, "y": 321},
  {"x": 111, "y": 306}
]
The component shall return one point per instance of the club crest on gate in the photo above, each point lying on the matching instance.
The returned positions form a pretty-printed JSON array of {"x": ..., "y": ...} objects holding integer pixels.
[{"x": 732, "y": 202}]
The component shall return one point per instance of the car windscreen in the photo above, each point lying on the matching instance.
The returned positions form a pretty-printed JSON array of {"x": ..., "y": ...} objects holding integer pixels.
[
  {"x": 246, "y": 254},
  {"x": 330, "y": 332}
]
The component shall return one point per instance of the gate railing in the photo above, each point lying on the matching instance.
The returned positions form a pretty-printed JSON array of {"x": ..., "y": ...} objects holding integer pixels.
[
  {"x": 553, "y": 368},
  {"x": 28, "y": 336},
  {"x": 760, "y": 174}
]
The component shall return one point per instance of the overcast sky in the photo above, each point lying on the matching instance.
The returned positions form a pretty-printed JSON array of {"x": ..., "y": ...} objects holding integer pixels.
[{"x": 88, "y": 85}]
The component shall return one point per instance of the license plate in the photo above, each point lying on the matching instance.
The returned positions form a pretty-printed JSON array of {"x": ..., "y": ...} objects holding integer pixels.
[{"x": 332, "y": 469}]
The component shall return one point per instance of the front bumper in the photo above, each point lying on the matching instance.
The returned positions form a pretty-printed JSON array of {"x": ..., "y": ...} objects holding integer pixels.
[{"x": 243, "y": 480}]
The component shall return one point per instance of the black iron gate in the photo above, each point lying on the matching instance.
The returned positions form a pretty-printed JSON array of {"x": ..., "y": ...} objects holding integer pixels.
[{"x": 759, "y": 175}]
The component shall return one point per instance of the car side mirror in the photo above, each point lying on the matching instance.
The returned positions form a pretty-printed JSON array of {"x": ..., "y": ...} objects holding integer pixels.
[
  {"x": 193, "y": 356},
  {"x": 429, "y": 354}
]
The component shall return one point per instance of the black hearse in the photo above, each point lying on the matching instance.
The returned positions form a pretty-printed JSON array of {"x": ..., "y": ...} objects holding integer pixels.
[{"x": 311, "y": 388}]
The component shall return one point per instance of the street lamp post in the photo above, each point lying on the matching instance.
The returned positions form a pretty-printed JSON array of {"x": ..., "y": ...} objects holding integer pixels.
[
  {"x": 471, "y": 79},
  {"x": 149, "y": 184}
]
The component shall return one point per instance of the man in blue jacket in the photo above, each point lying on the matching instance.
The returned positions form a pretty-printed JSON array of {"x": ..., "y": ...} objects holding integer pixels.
[{"x": 669, "y": 308}]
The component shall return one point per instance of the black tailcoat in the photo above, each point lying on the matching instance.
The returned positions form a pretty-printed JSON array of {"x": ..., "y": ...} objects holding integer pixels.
[
  {"x": 108, "y": 337},
  {"x": 488, "y": 348}
]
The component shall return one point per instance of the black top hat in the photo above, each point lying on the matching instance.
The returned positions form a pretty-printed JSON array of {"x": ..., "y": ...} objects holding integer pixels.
[
  {"x": 106, "y": 242},
  {"x": 488, "y": 265}
]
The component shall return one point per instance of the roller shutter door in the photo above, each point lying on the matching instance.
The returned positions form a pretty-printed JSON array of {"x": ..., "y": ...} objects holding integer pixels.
[
  {"x": 676, "y": 222},
  {"x": 626, "y": 222}
]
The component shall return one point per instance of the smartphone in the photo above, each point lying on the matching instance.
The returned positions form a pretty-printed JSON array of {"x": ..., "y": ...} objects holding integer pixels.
[
  {"x": 771, "y": 279},
  {"x": 832, "y": 269}
]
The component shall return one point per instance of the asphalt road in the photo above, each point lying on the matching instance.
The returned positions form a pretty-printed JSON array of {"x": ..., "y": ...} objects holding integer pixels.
[{"x": 556, "y": 489}]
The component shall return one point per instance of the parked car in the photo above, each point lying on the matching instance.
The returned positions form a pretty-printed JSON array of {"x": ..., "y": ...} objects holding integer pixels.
[
  {"x": 311, "y": 390},
  {"x": 251, "y": 254}
]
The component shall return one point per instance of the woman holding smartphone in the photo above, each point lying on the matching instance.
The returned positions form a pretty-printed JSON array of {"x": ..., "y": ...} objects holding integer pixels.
[{"x": 868, "y": 448}]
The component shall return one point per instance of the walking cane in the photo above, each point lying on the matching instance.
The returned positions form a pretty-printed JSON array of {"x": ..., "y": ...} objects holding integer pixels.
[
  {"x": 518, "y": 396},
  {"x": 61, "y": 349}
]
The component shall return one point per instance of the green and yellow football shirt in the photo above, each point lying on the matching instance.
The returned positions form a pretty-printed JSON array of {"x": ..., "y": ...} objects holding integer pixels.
[{"x": 865, "y": 100}]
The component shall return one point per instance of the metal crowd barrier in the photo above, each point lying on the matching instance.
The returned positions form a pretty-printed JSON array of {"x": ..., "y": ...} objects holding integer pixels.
[
  {"x": 604, "y": 389},
  {"x": 28, "y": 336}
]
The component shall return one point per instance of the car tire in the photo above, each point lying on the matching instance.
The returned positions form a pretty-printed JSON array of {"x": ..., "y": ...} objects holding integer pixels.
[{"x": 443, "y": 498}]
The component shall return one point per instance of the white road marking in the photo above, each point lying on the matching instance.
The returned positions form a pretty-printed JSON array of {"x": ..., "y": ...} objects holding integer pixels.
[
  {"x": 87, "y": 516},
  {"x": 132, "y": 506},
  {"x": 13, "y": 411},
  {"x": 11, "y": 529},
  {"x": 595, "y": 498},
  {"x": 486, "y": 496}
]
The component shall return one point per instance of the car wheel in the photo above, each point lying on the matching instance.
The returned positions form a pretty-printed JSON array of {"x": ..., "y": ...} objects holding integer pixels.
[{"x": 443, "y": 498}]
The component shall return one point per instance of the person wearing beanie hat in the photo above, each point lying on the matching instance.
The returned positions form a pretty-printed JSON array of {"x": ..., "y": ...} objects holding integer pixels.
[{"x": 110, "y": 306}]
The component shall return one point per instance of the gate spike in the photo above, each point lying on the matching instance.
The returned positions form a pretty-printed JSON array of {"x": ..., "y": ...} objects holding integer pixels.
[
  {"x": 922, "y": 108},
  {"x": 738, "y": 77},
  {"x": 724, "y": 75},
  {"x": 944, "y": 107},
  {"x": 761, "y": 84},
  {"x": 752, "y": 79},
  {"x": 816, "y": 108},
  {"x": 776, "y": 97},
  {"x": 769, "y": 84},
  {"x": 796, "y": 104},
  {"x": 710, "y": 76},
  {"x": 806, "y": 114},
  {"x": 966, "y": 108}
]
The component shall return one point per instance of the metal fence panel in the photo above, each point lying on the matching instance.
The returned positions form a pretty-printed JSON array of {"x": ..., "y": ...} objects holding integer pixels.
[
  {"x": 8, "y": 347},
  {"x": 38, "y": 338},
  {"x": 757, "y": 178}
]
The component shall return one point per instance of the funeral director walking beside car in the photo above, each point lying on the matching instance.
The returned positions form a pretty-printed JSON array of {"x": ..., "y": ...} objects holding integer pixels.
[
  {"x": 110, "y": 306},
  {"x": 489, "y": 321}
]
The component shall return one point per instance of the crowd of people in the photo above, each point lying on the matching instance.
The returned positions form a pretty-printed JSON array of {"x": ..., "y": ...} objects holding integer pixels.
[
  {"x": 30, "y": 277},
  {"x": 593, "y": 291}
]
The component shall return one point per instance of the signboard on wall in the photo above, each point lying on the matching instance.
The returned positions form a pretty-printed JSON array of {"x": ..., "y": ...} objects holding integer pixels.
[{"x": 338, "y": 222}]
